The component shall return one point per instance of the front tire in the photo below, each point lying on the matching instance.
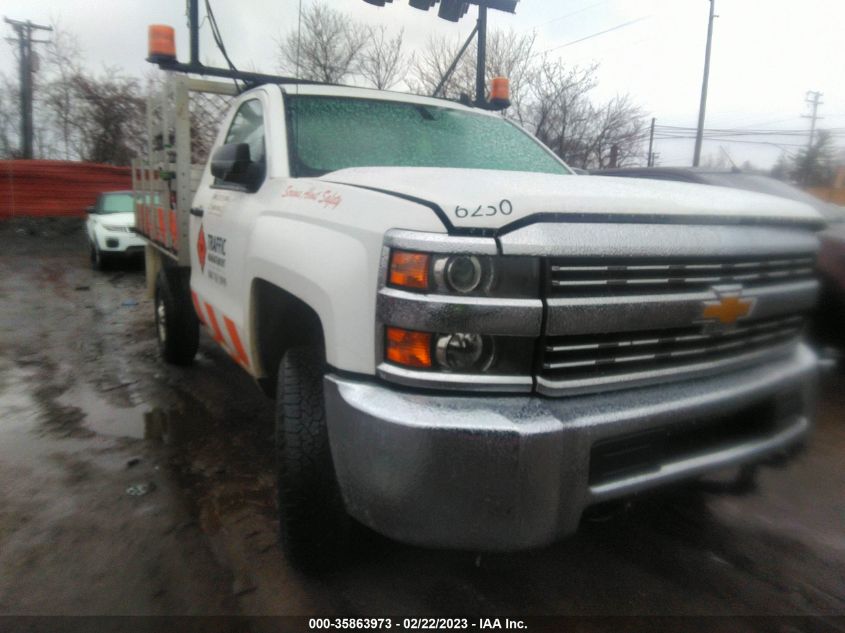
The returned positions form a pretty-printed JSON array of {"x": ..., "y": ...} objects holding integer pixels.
[
  {"x": 314, "y": 528},
  {"x": 177, "y": 326},
  {"x": 98, "y": 260}
]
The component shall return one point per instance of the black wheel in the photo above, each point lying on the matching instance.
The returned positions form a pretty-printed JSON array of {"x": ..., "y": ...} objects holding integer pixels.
[
  {"x": 98, "y": 259},
  {"x": 177, "y": 327},
  {"x": 315, "y": 530}
]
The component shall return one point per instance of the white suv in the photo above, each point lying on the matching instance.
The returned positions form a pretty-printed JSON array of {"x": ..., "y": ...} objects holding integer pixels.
[{"x": 111, "y": 228}]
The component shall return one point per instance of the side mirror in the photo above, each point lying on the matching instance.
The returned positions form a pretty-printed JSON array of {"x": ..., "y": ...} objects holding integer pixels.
[
  {"x": 230, "y": 163},
  {"x": 91, "y": 209}
]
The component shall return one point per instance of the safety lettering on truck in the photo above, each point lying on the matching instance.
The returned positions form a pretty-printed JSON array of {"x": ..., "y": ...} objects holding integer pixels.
[{"x": 324, "y": 197}]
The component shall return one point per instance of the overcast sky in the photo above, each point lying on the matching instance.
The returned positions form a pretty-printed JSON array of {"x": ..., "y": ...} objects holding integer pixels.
[{"x": 766, "y": 55}]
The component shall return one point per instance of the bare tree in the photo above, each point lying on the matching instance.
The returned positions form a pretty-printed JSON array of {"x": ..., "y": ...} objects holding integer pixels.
[
  {"x": 617, "y": 127},
  {"x": 560, "y": 112},
  {"x": 10, "y": 120},
  {"x": 813, "y": 166},
  {"x": 431, "y": 65},
  {"x": 111, "y": 122},
  {"x": 383, "y": 62},
  {"x": 327, "y": 47},
  {"x": 59, "y": 96}
]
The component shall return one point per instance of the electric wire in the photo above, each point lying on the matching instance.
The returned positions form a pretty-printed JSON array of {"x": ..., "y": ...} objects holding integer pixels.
[
  {"x": 218, "y": 39},
  {"x": 591, "y": 36}
]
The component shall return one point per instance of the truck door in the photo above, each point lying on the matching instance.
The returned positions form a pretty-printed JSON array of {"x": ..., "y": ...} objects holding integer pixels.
[{"x": 222, "y": 217}]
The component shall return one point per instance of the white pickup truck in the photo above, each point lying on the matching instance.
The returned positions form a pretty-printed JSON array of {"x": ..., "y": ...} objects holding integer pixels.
[{"x": 468, "y": 344}]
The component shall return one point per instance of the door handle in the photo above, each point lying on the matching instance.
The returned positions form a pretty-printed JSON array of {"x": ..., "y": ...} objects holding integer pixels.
[{"x": 197, "y": 211}]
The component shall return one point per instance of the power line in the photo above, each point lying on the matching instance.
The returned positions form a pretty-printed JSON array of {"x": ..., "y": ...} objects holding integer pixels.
[
  {"x": 729, "y": 140},
  {"x": 218, "y": 39},
  {"x": 568, "y": 15},
  {"x": 589, "y": 37}
]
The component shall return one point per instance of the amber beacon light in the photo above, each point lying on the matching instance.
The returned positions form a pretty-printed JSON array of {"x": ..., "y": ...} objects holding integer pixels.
[
  {"x": 500, "y": 92},
  {"x": 162, "y": 44}
]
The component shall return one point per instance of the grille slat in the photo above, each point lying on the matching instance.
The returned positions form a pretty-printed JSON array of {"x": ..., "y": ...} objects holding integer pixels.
[
  {"x": 578, "y": 357},
  {"x": 578, "y": 279},
  {"x": 628, "y": 354}
]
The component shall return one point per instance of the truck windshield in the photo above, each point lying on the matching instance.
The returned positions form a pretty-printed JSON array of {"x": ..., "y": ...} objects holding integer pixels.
[
  {"x": 331, "y": 133},
  {"x": 117, "y": 203}
]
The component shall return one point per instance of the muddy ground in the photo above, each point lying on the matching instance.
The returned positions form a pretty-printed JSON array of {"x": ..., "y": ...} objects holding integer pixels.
[{"x": 89, "y": 415}]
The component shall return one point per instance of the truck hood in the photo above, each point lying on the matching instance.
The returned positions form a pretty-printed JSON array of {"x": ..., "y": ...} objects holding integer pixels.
[
  {"x": 487, "y": 199},
  {"x": 121, "y": 219}
]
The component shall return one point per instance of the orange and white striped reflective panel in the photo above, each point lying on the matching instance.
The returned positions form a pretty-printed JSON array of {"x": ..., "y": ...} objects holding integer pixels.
[
  {"x": 216, "y": 333},
  {"x": 174, "y": 231},
  {"x": 240, "y": 352},
  {"x": 162, "y": 229},
  {"x": 234, "y": 346},
  {"x": 197, "y": 307}
]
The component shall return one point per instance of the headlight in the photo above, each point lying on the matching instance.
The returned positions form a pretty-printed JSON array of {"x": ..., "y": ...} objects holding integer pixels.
[
  {"x": 464, "y": 352},
  {"x": 461, "y": 273},
  {"x": 459, "y": 353},
  {"x": 454, "y": 314},
  {"x": 470, "y": 275},
  {"x": 115, "y": 228}
]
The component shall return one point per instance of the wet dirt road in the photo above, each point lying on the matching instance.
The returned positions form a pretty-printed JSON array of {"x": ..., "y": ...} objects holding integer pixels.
[{"x": 89, "y": 414}]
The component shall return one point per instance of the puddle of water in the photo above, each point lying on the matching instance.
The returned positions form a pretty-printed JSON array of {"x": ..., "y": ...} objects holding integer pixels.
[
  {"x": 103, "y": 417},
  {"x": 20, "y": 417},
  {"x": 17, "y": 407},
  {"x": 172, "y": 426}
]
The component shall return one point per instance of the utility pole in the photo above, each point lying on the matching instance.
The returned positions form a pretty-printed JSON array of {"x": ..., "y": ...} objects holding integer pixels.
[
  {"x": 650, "y": 157},
  {"x": 703, "y": 106},
  {"x": 24, "y": 41},
  {"x": 814, "y": 99},
  {"x": 481, "y": 66}
]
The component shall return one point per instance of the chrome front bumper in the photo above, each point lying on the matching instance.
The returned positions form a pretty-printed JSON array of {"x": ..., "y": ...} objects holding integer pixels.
[{"x": 512, "y": 472}]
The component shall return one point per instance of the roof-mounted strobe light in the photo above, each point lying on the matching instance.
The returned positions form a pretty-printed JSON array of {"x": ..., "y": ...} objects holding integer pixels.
[
  {"x": 500, "y": 93},
  {"x": 162, "y": 44},
  {"x": 454, "y": 10}
]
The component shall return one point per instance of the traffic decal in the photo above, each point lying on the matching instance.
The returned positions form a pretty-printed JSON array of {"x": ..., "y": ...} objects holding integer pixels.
[{"x": 202, "y": 251}]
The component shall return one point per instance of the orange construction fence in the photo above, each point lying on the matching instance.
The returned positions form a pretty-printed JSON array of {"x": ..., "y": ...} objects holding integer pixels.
[
  {"x": 42, "y": 188},
  {"x": 830, "y": 194}
]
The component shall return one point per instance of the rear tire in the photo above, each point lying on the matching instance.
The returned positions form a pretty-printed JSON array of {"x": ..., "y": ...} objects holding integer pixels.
[
  {"x": 314, "y": 529},
  {"x": 177, "y": 326}
]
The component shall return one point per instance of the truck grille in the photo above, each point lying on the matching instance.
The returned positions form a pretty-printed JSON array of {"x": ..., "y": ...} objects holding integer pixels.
[
  {"x": 571, "y": 360},
  {"x": 567, "y": 278}
]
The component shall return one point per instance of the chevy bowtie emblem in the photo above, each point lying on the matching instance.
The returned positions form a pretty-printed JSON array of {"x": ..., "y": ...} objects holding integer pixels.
[{"x": 728, "y": 308}]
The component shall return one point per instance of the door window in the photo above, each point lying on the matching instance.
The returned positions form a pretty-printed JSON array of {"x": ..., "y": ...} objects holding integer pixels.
[{"x": 248, "y": 127}]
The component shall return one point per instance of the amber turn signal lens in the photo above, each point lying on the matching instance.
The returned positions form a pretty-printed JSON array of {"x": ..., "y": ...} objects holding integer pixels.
[
  {"x": 409, "y": 270},
  {"x": 162, "y": 43},
  {"x": 411, "y": 349}
]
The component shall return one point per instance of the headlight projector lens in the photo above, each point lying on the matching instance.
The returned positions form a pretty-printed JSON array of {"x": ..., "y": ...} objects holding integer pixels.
[
  {"x": 463, "y": 352},
  {"x": 463, "y": 273}
]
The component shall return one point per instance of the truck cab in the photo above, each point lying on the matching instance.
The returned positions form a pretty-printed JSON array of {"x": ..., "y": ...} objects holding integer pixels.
[{"x": 470, "y": 345}]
